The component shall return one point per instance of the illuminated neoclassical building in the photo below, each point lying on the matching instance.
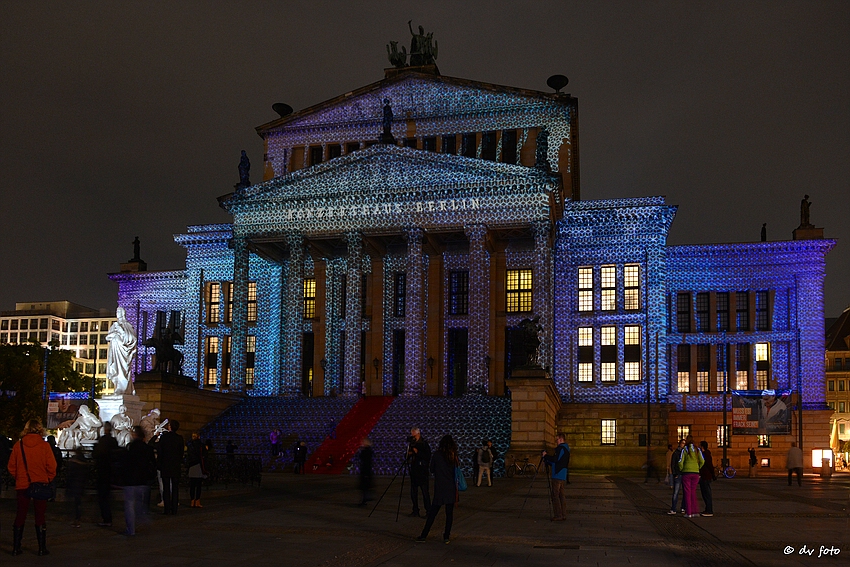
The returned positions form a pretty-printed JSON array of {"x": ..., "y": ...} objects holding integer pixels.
[{"x": 404, "y": 264}]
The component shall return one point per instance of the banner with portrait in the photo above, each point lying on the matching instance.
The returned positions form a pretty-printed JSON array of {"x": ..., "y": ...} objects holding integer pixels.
[
  {"x": 761, "y": 412},
  {"x": 64, "y": 407}
]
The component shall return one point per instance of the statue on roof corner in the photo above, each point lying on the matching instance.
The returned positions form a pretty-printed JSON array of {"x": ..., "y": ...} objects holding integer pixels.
[
  {"x": 423, "y": 48},
  {"x": 387, "y": 123},
  {"x": 398, "y": 59},
  {"x": 805, "y": 221},
  {"x": 244, "y": 171}
]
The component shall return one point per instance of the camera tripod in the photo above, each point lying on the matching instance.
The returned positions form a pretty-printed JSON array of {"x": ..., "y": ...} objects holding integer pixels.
[
  {"x": 404, "y": 470},
  {"x": 531, "y": 485}
]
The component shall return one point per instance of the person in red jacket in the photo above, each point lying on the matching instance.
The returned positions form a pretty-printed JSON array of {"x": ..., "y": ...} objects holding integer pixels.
[{"x": 40, "y": 467}]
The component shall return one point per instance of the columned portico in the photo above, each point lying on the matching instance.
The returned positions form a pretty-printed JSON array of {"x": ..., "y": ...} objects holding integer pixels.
[
  {"x": 353, "y": 313},
  {"x": 414, "y": 322},
  {"x": 293, "y": 317}
]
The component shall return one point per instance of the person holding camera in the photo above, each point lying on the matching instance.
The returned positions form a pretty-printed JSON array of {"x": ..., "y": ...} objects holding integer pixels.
[
  {"x": 419, "y": 461},
  {"x": 560, "y": 463}
]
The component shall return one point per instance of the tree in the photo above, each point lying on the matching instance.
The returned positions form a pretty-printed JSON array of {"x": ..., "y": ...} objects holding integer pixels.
[{"x": 21, "y": 371}]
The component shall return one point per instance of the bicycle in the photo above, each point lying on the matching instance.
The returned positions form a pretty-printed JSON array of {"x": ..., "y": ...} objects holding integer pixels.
[
  {"x": 724, "y": 472},
  {"x": 526, "y": 468}
]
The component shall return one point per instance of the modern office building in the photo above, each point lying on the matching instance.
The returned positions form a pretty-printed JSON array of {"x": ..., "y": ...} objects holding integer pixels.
[{"x": 838, "y": 374}]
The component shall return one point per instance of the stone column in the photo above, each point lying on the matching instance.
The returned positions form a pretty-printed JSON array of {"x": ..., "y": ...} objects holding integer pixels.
[
  {"x": 239, "y": 324},
  {"x": 414, "y": 316},
  {"x": 353, "y": 313},
  {"x": 293, "y": 316},
  {"x": 542, "y": 289},
  {"x": 479, "y": 309}
]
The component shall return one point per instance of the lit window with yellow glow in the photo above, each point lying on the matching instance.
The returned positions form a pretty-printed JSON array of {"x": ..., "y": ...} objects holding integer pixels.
[
  {"x": 211, "y": 363},
  {"x": 518, "y": 290},
  {"x": 250, "y": 356},
  {"x": 608, "y": 277},
  {"x": 608, "y": 341},
  {"x": 585, "y": 288},
  {"x": 214, "y": 304},
  {"x": 631, "y": 353},
  {"x": 252, "y": 302},
  {"x": 309, "y": 298},
  {"x": 585, "y": 354},
  {"x": 631, "y": 287}
]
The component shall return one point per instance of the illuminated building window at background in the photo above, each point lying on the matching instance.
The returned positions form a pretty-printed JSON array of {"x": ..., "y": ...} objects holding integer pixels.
[
  {"x": 742, "y": 307},
  {"x": 459, "y": 292},
  {"x": 518, "y": 290},
  {"x": 609, "y": 431},
  {"x": 682, "y": 431},
  {"x": 683, "y": 312},
  {"x": 214, "y": 303},
  {"x": 631, "y": 287},
  {"x": 703, "y": 367},
  {"x": 84, "y": 326},
  {"x": 75, "y": 327},
  {"x": 723, "y": 311},
  {"x": 585, "y": 289},
  {"x": 841, "y": 385},
  {"x": 400, "y": 294},
  {"x": 250, "y": 356},
  {"x": 225, "y": 361},
  {"x": 84, "y": 339},
  {"x": 723, "y": 439},
  {"x": 762, "y": 366},
  {"x": 831, "y": 405},
  {"x": 309, "y": 298},
  {"x": 702, "y": 312},
  {"x": 762, "y": 316},
  {"x": 211, "y": 361},
  {"x": 252, "y": 302},
  {"x": 742, "y": 366},
  {"x": 764, "y": 441},
  {"x": 585, "y": 354},
  {"x": 831, "y": 386},
  {"x": 722, "y": 365},
  {"x": 228, "y": 312},
  {"x": 608, "y": 358},
  {"x": 631, "y": 353},
  {"x": 683, "y": 356},
  {"x": 841, "y": 407},
  {"x": 608, "y": 283}
]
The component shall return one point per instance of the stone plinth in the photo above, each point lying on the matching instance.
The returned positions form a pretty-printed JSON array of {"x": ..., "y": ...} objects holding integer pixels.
[
  {"x": 808, "y": 233},
  {"x": 109, "y": 406},
  {"x": 535, "y": 404}
]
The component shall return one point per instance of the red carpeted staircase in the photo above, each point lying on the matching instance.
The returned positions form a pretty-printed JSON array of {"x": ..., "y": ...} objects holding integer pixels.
[{"x": 347, "y": 436}]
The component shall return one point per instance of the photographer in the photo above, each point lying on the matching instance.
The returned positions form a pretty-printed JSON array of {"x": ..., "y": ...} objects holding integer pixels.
[
  {"x": 560, "y": 463},
  {"x": 419, "y": 459}
]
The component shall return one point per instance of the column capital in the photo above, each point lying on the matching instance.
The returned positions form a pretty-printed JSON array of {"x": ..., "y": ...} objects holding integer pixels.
[
  {"x": 414, "y": 234},
  {"x": 476, "y": 233},
  {"x": 541, "y": 229},
  {"x": 354, "y": 239}
]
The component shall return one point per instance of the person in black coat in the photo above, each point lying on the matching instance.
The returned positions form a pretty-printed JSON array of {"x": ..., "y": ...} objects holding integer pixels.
[
  {"x": 138, "y": 469},
  {"x": 104, "y": 454},
  {"x": 419, "y": 457},
  {"x": 443, "y": 465},
  {"x": 366, "y": 455},
  {"x": 169, "y": 450}
]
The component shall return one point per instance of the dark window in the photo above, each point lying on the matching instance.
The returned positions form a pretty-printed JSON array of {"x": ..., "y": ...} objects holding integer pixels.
[
  {"x": 703, "y": 359},
  {"x": 334, "y": 151},
  {"x": 429, "y": 144},
  {"x": 400, "y": 287},
  {"x": 316, "y": 155},
  {"x": 742, "y": 306},
  {"x": 42, "y": 324},
  {"x": 469, "y": 147},
  {"x": 410, "y": 143},
  {"x": 702, "y": 312},
  {"x": 509, "y": 140},
  {"x": 459, "y": 292},
  {"x": 4, "y": 324},
  {"x": 723, "y": 311},
  {"x": 683, "y": 312},
  {"x": 25, "y": 323},
  {"x": 762, "y": 318},
  {"x": 683, "y": 354},
  {"x": 488, "y": 146},
  {"x": 352, "y": 147},
  {"x": 449, "y": 145},
  {"x": 837, "y": 364}
]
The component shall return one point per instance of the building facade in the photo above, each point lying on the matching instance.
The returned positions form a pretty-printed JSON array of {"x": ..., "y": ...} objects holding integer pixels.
[
  {"x": 838, "y": 374},
  {"x": 405, "y": 232}
]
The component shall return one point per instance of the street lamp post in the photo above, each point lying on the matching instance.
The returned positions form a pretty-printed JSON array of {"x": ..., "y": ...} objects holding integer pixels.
[
  {"x": 324, "y": 364},
  {"x": 376, "y": 363}
]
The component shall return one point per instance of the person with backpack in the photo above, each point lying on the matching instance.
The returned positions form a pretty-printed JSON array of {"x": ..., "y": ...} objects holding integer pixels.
[
  {"x": 690, "y": 462},
  {"x": 485, "y": 460},
  {"x": 676, "y": 478},
  {"x": 560, "y": 463}
]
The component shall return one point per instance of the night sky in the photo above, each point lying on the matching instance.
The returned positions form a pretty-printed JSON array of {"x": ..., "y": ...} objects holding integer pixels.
[{"x": 120, "y": 119}]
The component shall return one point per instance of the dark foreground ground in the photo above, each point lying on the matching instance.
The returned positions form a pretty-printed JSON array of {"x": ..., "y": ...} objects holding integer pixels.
[{"x": 612, "y": 520}]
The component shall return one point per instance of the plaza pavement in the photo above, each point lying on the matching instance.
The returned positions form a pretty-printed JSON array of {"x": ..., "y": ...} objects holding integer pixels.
[{"x": 313, "y": 520}]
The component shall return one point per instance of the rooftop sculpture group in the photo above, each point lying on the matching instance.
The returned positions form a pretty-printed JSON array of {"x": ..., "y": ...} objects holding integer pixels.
[{"x": 423, "y": 49}]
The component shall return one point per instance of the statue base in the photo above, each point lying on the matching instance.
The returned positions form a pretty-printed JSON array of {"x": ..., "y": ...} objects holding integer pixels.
[
  {"x": 808, "y": 233},
  {"x": 109, "y": 406}
]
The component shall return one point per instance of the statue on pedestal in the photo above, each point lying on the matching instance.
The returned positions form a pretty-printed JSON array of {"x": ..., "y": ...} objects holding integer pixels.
[
  {"x": 805, "y": 221},
  {"x": 244, "y": 171},
  {"x": 85, "y": 428},
  {"x": 122, "y": 426},
  {"x": 119, "y": 355}
]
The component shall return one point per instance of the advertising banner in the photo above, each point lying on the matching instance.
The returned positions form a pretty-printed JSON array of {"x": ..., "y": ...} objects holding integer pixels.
[
  {"x": 64, "y": 407},
  {"x": 761, "y": 412}
]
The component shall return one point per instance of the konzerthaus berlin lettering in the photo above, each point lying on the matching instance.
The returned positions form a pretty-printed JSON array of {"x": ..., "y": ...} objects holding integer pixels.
[{"x": 404, "y": 230}]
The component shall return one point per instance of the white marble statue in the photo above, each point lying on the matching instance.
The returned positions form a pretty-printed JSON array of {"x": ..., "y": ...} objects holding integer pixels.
[
  {"x": 150, "y": 424},
  {"x": 122, "y": 425},
  {"x": 85, "y": 428},
  {"x": 119, "y": 357}
]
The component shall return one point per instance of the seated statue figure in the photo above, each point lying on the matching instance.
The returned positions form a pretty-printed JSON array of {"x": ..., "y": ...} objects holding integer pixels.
[
  {"x": 150, "y": 423},
  {"x": 122, "y": 425},
  {"x": 85, "y": 428}
]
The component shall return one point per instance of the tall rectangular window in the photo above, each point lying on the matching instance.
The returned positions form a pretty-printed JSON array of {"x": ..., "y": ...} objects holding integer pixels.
[
  {"x": 762, "y": 313},
  {"x": 723, "y": 438},
  {"x": 702, "y": 312},
  {"x": 309, "y": 298},
  {"x": 608, "y": 281},
  {"x": 250, "y": 359},
  {"x": 509, "y": 140},
  {"x": 742, "y": 366},
  {"x": 316, "y": 155},
  {"x": 225, "y": 360},
  {"x": 722, "y": 366},
  {"x": 631, "y": 287},
  {"x": 682, "y": 431},
  {"x": 352, "y": 147},
  {"x": 429, "y": 144},
  {"x": 608, "y": 354},
  {"x": 683, "y": 312},
  {"x": 228, "y": 311},
  {"x": 585, "y": 354},
  {"x": 449, "y": 145},
  {"x": 764, "y": 441},
  {"x": 488, "y": 146},
  {"x": 214, "y": 303},
  {"x": 683, "y": 354},
  {"x": 723, "y": 311},
  {"x": 459, "y": 292},
  {"x": 469, "y": 147},
  {"x": 762, "y": 366},
  {"x": 400, "y": 294},
  {"x": 742, "y": 308},
  {"x": 631, "y": 353},
  {"x": 211, "y": 362},
  {"x": 703, "y": 367},
  {"x": 518, "y": 291},
  {"x": 252, "y": 302},
  {"x": 609, "y": 431},
  {"x": 585, "y": 288},
  {"x": 334, "y": 151}
]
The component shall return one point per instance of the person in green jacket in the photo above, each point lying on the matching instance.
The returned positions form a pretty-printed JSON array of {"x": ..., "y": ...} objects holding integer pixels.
[{"x": 690, "y": 463}]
